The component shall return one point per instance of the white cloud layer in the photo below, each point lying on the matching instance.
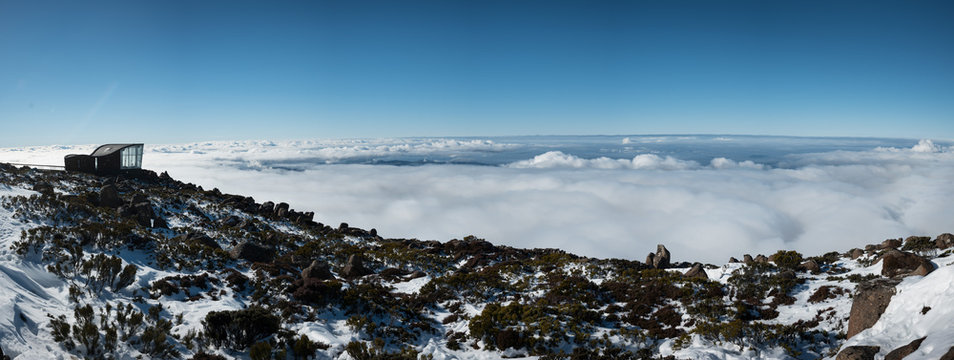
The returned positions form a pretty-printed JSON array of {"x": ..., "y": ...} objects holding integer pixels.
[{"x": 603, "y": 207}]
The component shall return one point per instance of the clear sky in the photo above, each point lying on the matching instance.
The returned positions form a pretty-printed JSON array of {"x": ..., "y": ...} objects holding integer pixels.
[{"x": 176, "y": 71}]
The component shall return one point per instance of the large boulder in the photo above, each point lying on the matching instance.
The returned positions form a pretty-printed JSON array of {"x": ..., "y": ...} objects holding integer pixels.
[
  {"x": 661, "y": 258},
  {"x": 810, "y": 266},
  {"x": 747, "y": 259},
  {"x": 281, "y": 210},
  {"x": 856, "y": 253},
  {"x": 267, "y": 207},
  {"x": 944, "y": 241},
  {"x": 858, "y": 353},
  {"x": 761, "y": 259},
  {"x": 896, "y": 263},
  {"x": 901, "y": 352},
  {"x": 109, "y": 196},
  {"x": 697, "y": 271},
  {"x": 317, "y": 270},
  {"x": 869, "y": 303},
  {"x": 891, "y": 244},
  {"x": 355, "y": 267},
  {"x": 142, "y": 213},
  {"x": 252, "y": 252}
]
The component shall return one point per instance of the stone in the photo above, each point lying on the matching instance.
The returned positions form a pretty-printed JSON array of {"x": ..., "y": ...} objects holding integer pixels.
[
  {"x": 869, "y": 302},
  {"x": 944, "y": 241},
  {"x": 649, "y": 259},
  {"x": 267, "y": 207},
  {"x": 354, "y": 267},
  {"x": 109, "y": 197},
  {"x": 143, "y": 214},
  {"x": 858, "y": 352},
  {"x": 891, "y": 244},
  {"x": 761, "y": 259},
  {"x": 733, "y": 260},
  {"x": 901, "y": 352},
  {"x": 231, "y": 221},
  {"x": 139, "y": 198},
  {"x": 856, "y": 253},
  {"x": 896, "y": 263},
  {"x": 697, "y": 271},
  {"x": 343, "y": 226},
  {"x": 661, "y": 260},
  {"x": 871, "y": 248},
  {"x": 281, "y": 210},
  {"x": 203, "y": 239},
  {"x": 949, "y": 355},
  {"x": 44, "y": 189},
  {"x": 810, "y": 266},
  {"x": 252, "y": 252},
  {"x": 317, "y": 270},
  {"x": 747, "y": 259}
]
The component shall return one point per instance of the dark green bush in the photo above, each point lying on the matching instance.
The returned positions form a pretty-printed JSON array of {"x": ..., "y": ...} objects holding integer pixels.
[{"x": 240, "y": 329}]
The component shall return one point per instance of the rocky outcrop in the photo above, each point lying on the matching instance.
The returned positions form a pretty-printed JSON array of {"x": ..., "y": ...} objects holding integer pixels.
[
  {"x": 901, "y": 352},
  {"x": 858, "y": 353},
  {"x": 281, "y": 210},
  {"x": 661, "y": 259},
  {"x": 891, "y": 244},
  {"x": 896, "y": 263},
  {"x": 747, "y": 259},
  {"x": 869, "y": 303},
  {"x": 355, "y": 267},
  {"x": 697, "y": 271},
  {"x": 944, "y": 241},
  {"x": 949, "y": 355},
  {"x": 810, "y": 266},
  {"x": 855, "y": 253},
  {"x": 252, "y": 252},
  {"x": 761, "y": 259}
]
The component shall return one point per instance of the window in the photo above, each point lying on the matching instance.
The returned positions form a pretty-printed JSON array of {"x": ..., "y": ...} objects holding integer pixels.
[{"x": 131, "y": 157}]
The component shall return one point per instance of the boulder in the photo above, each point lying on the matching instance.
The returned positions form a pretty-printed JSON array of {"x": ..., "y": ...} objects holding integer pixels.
[
  {"x": 856, "y": 253},
  {"x": 870, "y": 248},
  {"x": 858, "y": 352},
  {"x": 869, "y": 302},
  {"x": 810, "y": 266},
  {"x": 343, "y": 226},
  {"x": 747, "y": 259},
  {"x": 267, "y": 207},
  {"x": 649, "y": 259},
  {"x": 944, "y": 241},
  {"x": 139, "y": 198},
  {"x": 44, "y": 189},
  {"x": 891, "y": 244},
  {"x": 281, "y": 210},
  {"x": 231, "y": 221},
  {"x": 733, "y": 260},
  {"x": 354, "y": 267},
  {"x": 143, "y": 214},
  {"x": 317, "y": 270},
  {"x": 896, "y": 263},
  {"x": 761, "y": 259},
  {"x": 252, "y": 252},
  {"x": 697, "y": 271},
  {"x": 661, "y": 260},
  {"x": 901, "y": 352},
  {"x": 109, "y": 196},
  {"x": 949, "y": 355},
  {"x": 201, "y": 239}
]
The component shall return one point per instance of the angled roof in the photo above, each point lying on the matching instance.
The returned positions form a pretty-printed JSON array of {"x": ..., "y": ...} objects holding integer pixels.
[{"x": 110, "y": 148}]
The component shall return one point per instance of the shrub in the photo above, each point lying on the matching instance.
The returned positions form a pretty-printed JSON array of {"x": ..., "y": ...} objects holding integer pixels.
[
  {"x": 789, "y": 259},
  {"x": 240, "y": 329},
  {"x": 260, "y": 351}
]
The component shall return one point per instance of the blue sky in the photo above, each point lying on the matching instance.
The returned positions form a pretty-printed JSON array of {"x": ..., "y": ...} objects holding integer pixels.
[{"x": 175, "y": 71}]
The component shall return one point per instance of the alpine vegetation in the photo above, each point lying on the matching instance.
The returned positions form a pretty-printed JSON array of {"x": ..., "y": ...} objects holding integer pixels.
[{"x": 143, "y": 265}]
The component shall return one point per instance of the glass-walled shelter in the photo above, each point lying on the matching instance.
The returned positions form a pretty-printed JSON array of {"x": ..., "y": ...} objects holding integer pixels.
[
  {"x": 131, "y": 157},
  {"x": 107, "y": 159}
]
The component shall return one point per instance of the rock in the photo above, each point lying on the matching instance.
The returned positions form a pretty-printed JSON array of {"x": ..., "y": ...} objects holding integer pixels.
[
  {"x": 761, "y": 259},
  {"x": 143, "y": 214},
  {"x": 661, "y": 260},
  {"x": 858, "y": 352},
  {"x": 810, "y": 266},
  {"x": 317, "y": 271},
  {"x": 281, "y": 210},
  {"x": 267, "y": 207},
  {"x": 44, "y": 189},
  {"x": 649, "y": 259},
  {"x": 900, "y": 264},
  {"x": 944, "y": 241},
  {"x": 733, "y": 260},
  {"x": 787, "y": 274},
  {"x": 747, "y": 259},
  {"x": 202, "y": 239},
  {"x": 231, "y": 221},
  {"x": 901, "y": 352},
  {"x": 870, "y": 248},
  {"x": 949, "y": 355},
  {"x": 354, "y": 267},
  {"x": 891, "y": 244},
  {"x": 252, "y": 252},
  {"x": 869, "y": 302},
  {"x": 139, "y": 198},
  {"x": 856, "y": 253},
  {"x": 697, "y": 271},
  {"x": 416, "y": 274},
  {"x": 343, "y": 226},
  {"x": 109, "y": 196}
]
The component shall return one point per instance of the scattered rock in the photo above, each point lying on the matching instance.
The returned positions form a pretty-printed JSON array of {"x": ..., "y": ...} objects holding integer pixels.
[
  {"x": 856, "y": 253},
  {"x": 697, "y": 271},
  {"x": 870, "y": 248},
  {"x": 900, "y": 264},
  {"x": 281, "y": 210},
  {"x": 944, "y": 241},
  {"x": 891, "y": 244},
  {"x": 733, "y": 260},
  {"x": 109, "y": 196},
  {"x": 267, "y": 207},
  {"x": 810, "y": 266},
  {"x": 858, "y": 353},
  {"x": 354, "y": 267},
  {"x": 201, "y": 239},
  {"x": 747, "y": 259},
  {"x": 343, "y": 226},
  {"x": 869, "y": 302},
  {"x": 761, "y": 259},
  {"x": 901, "y": 352},
  {"x": 143, "y": 214},
  {"x": 252, "y": 252},
  {"x": 317, "y": 271},
  {"x": 44, "y": 189}
]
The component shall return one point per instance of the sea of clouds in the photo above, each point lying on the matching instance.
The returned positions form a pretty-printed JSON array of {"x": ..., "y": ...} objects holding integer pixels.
[{"x": 705, "y": 198}]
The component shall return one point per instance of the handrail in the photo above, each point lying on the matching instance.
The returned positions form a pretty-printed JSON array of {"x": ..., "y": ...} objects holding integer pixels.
[{"x": 36, "y": 165}]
